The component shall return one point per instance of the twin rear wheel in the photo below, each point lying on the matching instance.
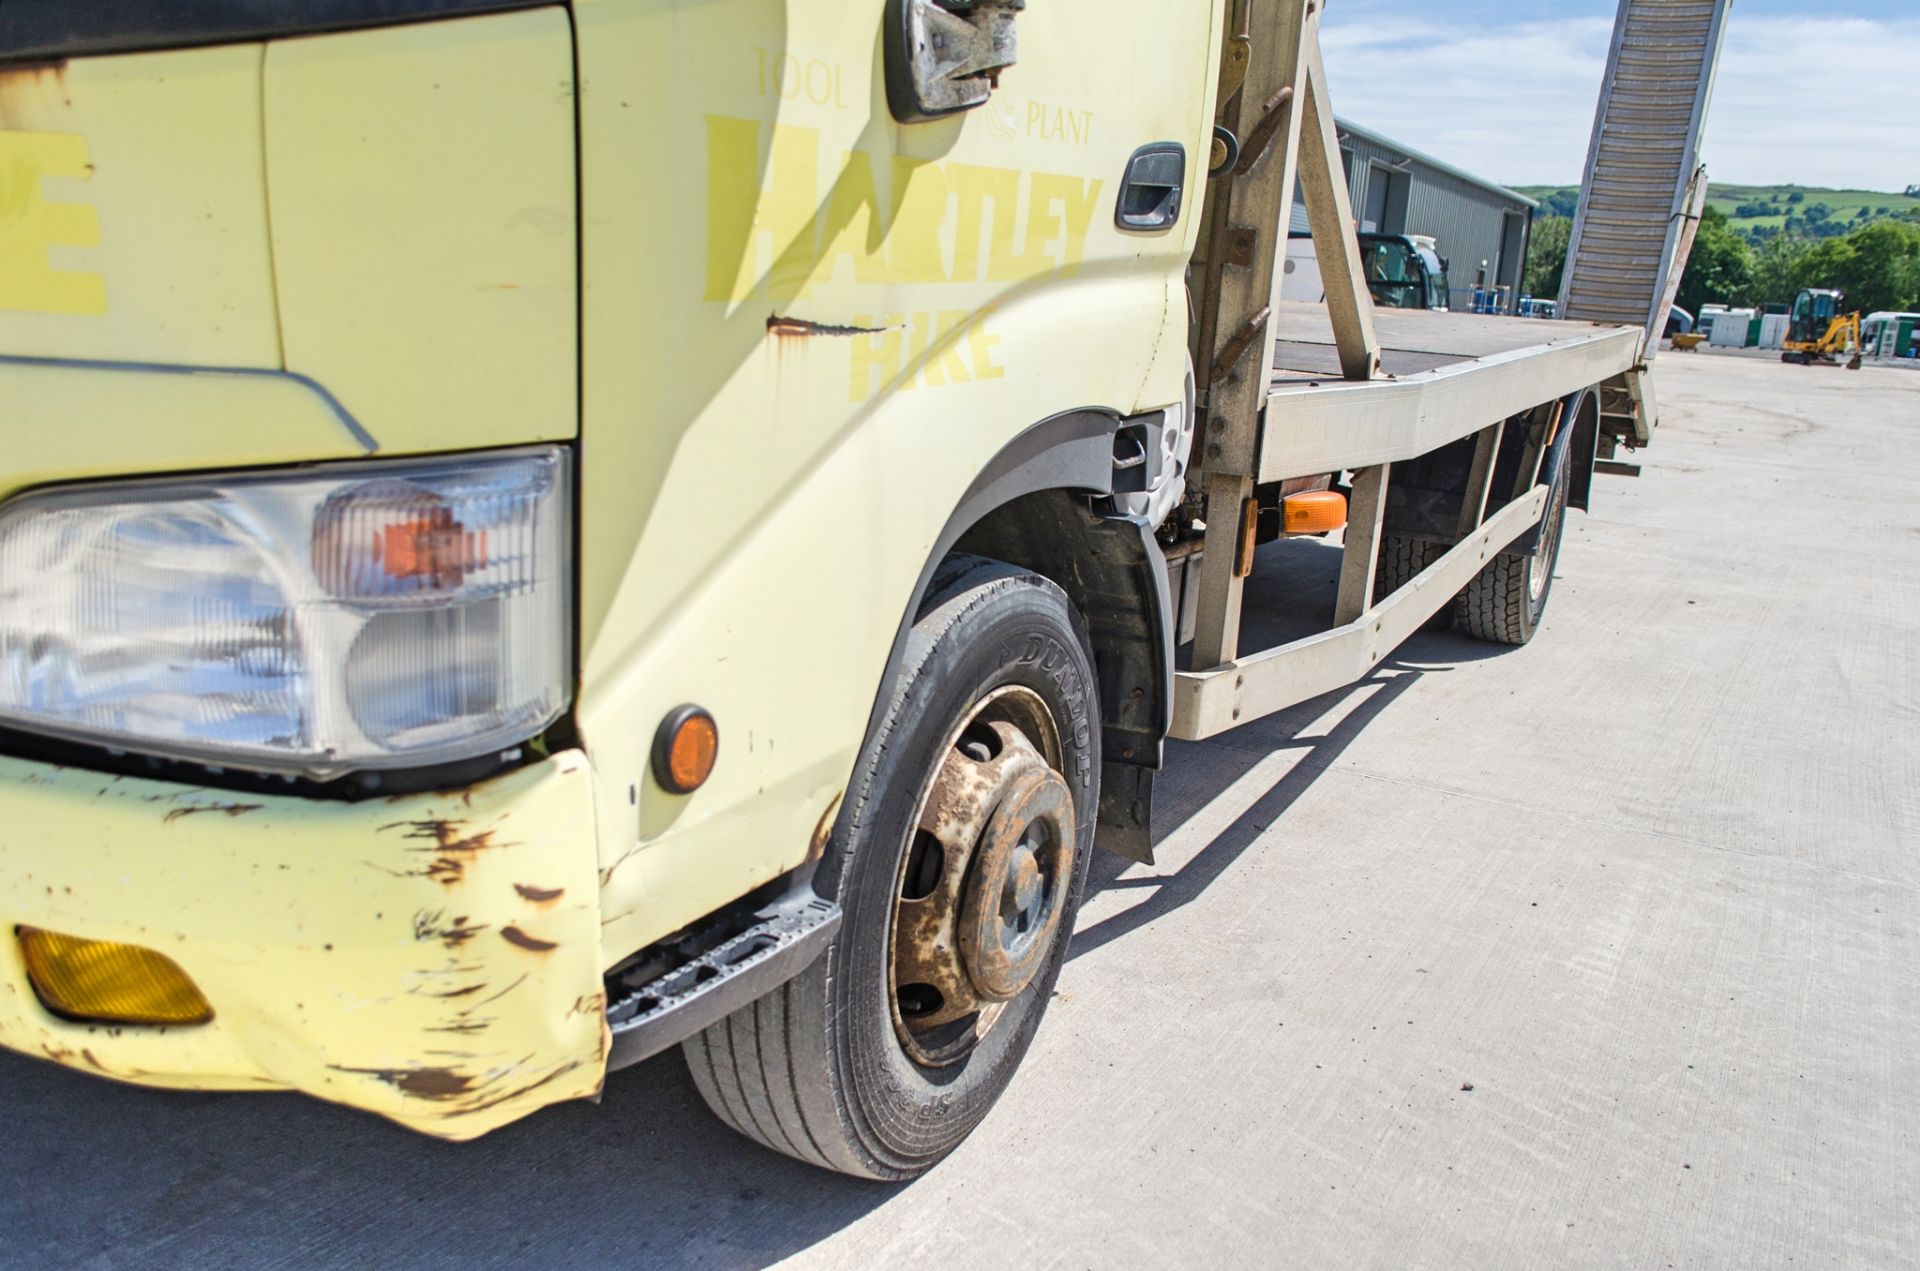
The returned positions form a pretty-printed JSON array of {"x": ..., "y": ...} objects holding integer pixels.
[
  {"x": 1505, "y": 601},
  {"x": 958, "y": 862}
]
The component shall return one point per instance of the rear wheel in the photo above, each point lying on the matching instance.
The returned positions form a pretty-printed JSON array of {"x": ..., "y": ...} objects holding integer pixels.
[
  {"x": 1401, "y": 559},
  {"x": 1506, "y": 600},
  {"x": 958, "y": 864}
]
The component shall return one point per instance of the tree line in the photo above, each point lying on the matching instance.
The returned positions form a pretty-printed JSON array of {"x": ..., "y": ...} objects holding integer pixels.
[
  {"x": 1877, "y": 265},
  {"x": 1801, "y": 219}
]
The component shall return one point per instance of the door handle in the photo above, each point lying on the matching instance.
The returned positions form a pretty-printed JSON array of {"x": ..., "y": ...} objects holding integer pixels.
[{"x": 1151, "y": 191}]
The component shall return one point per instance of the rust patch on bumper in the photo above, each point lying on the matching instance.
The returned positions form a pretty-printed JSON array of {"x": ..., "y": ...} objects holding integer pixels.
[
  {"x": 231, "y": 809},
  {"x": 533, "y": 944},
  {"x": 438, "y": 1084},
  {"x": 451, "y": 844},
  {"x": 341, "y": 959},
  {"x": 452, "y": 932}
]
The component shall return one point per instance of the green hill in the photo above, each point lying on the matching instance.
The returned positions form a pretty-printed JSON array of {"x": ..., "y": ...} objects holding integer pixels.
[{"x": 1758, "y": 206}]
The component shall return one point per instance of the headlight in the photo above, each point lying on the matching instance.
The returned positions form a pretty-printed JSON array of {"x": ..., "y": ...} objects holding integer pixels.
[{"x": 387, "y": 615}]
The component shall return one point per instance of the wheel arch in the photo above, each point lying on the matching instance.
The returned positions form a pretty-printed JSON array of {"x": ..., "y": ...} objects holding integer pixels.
[
  {"x": 1037, "y": 505},
  {"x": 1585, "y": 446},
  {"x": 1576, "y": 446},
  {"x": 1425, "y": 493}
]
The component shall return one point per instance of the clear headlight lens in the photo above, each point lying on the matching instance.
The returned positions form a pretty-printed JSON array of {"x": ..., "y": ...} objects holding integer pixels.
[{"x": 388, "y": 615}]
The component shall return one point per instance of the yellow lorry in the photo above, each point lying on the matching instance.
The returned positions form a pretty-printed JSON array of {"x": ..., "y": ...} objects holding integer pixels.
[{"x": 535, "y": 533}]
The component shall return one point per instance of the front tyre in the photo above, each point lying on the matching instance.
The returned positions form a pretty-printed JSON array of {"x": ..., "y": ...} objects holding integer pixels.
[{"x": 958, "y": 864}]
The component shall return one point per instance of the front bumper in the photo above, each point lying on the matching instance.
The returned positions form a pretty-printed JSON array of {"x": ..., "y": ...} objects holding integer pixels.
[{"x": 433, "y": 958}]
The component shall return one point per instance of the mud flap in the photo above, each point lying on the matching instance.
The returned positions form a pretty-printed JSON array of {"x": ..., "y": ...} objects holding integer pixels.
[{"x": 1126, "y": 812}]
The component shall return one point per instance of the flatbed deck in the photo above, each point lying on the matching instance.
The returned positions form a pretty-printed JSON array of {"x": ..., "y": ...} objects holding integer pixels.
[
  {"x": 1413, "y": 341},
  {"x": 1445, "y": 376},
  {"x": 1451, "y": 373}
]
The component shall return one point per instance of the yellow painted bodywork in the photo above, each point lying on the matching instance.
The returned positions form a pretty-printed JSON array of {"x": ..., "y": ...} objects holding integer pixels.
[
  {"x": 407, "y": 260},
  {"x": 69, "y": 422},
  {"x": 434, "y": 958},
  {"x": 118, "y": 241},
  {"x": 756, "y": 507},
  {"x": 387, "y": 213},
  {"x": 421, "y": 181}
]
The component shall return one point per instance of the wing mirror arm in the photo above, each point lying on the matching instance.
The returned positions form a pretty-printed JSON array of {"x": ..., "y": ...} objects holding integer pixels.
[{"x": 945, "y": 56}]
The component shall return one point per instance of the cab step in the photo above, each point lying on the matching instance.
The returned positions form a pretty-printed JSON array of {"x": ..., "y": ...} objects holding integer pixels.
[{"x": 696, "y": 978}]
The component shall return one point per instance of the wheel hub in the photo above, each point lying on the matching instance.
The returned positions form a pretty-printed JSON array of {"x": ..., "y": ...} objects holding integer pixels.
[
  {"x": 1009, "y": 908},
  {"x": 984, "y": 881}
]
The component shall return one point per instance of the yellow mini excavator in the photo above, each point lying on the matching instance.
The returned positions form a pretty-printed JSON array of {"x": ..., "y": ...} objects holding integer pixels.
[{"x": 1820, "y": 333}]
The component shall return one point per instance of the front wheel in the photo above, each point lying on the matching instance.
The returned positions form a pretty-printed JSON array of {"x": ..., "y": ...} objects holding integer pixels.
[{"x": 958, "y": 864}]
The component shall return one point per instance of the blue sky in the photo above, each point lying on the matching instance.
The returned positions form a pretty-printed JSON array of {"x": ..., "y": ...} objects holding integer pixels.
[{"x": 1824, "y": 94}]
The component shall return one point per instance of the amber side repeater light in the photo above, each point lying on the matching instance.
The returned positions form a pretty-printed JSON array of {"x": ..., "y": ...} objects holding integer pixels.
[
  {"x": 685, "y": 749},
  {"x": 1313, "y": 512}
]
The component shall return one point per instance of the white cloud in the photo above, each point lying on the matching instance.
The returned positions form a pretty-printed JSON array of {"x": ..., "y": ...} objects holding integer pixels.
[{"x": 1819, "y": 101}]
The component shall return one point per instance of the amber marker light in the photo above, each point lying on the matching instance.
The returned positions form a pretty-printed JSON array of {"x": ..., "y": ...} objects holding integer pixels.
[
  {"x": 684, "y": 750},
  {"x": 111, "y": 983},
  {"x": 1314, "y": 512},
  {"x": 435, "y": 547}
]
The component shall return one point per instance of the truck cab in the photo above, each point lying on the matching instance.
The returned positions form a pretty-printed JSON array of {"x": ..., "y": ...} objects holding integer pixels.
[{"x": 473, "y": 466}]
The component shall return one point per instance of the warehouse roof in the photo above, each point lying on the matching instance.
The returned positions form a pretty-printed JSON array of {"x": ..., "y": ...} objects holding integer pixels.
[{"x": 1367, "y": 134}]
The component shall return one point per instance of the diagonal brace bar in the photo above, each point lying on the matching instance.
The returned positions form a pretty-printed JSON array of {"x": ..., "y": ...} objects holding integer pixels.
[{"x": 1323, "y": 182}]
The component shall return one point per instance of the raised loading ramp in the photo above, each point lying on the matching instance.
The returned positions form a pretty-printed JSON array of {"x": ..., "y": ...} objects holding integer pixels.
[{"x": 1644, "y": 187}]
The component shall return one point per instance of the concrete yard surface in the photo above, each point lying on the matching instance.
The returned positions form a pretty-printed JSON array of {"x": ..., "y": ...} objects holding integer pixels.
[{"x": 1597, "y": 953}]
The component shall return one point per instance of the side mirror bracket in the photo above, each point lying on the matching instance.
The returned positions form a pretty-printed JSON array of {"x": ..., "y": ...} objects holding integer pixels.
[{"x": 945, "y": 56}]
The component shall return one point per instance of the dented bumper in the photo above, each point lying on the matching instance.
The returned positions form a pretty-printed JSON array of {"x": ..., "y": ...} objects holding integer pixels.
[{"x": 433, "y": 958}]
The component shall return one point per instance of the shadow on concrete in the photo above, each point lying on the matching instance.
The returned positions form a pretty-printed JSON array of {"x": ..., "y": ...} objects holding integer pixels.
[
  {"x": 1190, "y": 880},
  {"x": 1289, "y": 597},
  {"x": 111, "y": 1174}
]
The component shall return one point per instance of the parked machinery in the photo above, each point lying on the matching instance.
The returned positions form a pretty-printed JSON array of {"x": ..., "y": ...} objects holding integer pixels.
[
  {"x": 1403, "y": 271},
  {"x": 1820, "y": 333}
]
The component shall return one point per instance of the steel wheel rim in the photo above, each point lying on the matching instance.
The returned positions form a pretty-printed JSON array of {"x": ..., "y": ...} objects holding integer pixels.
[
  {"x": 1540, "y": 568},
  {"x": 991, "y": 843}
]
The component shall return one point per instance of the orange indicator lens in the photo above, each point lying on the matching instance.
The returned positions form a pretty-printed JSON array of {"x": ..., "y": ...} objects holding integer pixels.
[
  {"x": 1314, "y": 512},
  {"x": 685, "y": 750},
  {"x": 435, "y": 547}
]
